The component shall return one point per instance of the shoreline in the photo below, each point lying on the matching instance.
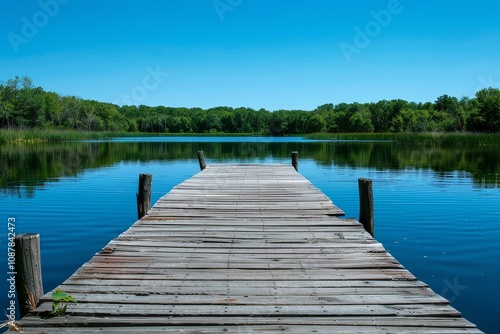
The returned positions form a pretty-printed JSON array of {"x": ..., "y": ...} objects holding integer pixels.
[{"x": 34, "y": 136}]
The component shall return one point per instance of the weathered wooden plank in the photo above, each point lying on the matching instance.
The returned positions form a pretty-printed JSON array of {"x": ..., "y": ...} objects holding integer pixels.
[
  {"x": 295, "y": 284},
  {"x": 329, "y": 254},
  {"x": 238, "y": 263},
  {"x": 263, "y": 235},
  {"x": 164, "y": 227},
  {"x": 162, "y": 299},
  {"x": 276, "y": 214},
  {"x": 437, "y": 310},
  {"x": 220, "y": 290},
  {"x": 162, "y": 220},
  {"x": 171, "y": 322},
  {"x": 262, "y": 244},
  {"x": 279, "y": 327},
  {"x": 245, "y": 275},
  {"x": 196, "y": 248}
]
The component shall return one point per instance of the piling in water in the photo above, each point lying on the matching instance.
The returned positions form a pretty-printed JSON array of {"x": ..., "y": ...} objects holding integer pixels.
[
  {"x": 366, "y": 204},
  {"x": 28, "y": 270},
  {"x": 295, "y": 160},
  {"x": 144, "y": 195},
  {"x": 201, "y": 160}
]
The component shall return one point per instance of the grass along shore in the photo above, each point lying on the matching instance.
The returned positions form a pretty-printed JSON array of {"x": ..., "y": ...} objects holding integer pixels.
[
  {"x": 51, "y": 135},
  {"x": 428, "y": 138},
  {"x": 424, "y": 138},
  {"x": 42, "y": 135}
]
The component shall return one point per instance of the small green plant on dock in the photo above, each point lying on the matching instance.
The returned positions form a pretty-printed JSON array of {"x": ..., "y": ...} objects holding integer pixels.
[{"x": 60, "y": 301}]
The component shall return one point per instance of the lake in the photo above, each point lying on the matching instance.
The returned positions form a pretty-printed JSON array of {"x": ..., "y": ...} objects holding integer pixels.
[{"x": 436, "y": 208}]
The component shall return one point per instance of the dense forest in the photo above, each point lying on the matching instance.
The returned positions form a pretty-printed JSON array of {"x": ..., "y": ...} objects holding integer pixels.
[{"x": 24, "y": 106}]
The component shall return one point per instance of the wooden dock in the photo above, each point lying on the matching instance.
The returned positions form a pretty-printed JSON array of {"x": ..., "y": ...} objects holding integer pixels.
[{"x": 246, "y": 248}]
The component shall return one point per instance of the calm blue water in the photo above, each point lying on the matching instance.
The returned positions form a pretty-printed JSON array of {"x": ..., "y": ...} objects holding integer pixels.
[{"x": 444, "y": 226}]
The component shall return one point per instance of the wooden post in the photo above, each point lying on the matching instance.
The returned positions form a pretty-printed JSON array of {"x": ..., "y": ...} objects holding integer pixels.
[
  {"x": 366, "y": 205},
  {"x": 201, "y": 160},
  {"x": 295, "y": 160},
  {"x": 144, "y": 195},
  {"x": 28, "y": 266}
]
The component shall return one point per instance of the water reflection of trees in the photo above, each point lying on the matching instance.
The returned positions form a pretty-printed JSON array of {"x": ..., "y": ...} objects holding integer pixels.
[{"x": 29, "y": 166}]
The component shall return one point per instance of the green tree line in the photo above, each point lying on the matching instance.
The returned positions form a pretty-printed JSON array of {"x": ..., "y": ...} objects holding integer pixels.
[{"x": 23, "y": 105}]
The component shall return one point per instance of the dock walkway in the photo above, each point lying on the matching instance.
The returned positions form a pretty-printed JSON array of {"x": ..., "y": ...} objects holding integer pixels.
[{"x": 246, "y": 248}]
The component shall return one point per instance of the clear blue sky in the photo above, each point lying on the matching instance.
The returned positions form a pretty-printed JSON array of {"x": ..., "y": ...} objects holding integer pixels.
[{"x": 273, "y": 54}]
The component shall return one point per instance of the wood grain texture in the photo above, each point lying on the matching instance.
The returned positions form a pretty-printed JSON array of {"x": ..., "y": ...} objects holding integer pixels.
[
  {"x": 28, "y": 268},
  {"x": 247, "y": 248}
]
